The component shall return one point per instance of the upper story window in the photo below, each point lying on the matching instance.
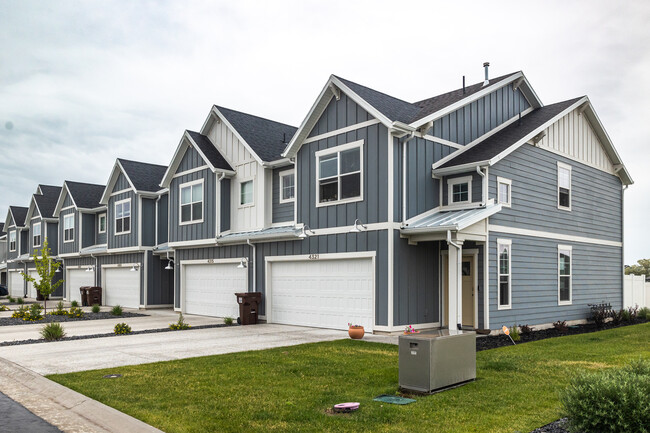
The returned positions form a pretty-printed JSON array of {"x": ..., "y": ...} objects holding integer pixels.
[
  {"x": 102, "y": 223},
  {"x": 36, "y": 234},
  {"x": 287, "y": 186},
  {"x": 339, "y": 174},
  {"x": 68, "y": 228},
  {"x": 12, "y": 240},
  {"x": 563, "y": 186},
  {"x": 123, "y": 216},
  {"x": 504, "y": 187},
  {"x": 505, "y": 286},
  {"x": 459, "y": 190},
  {"x": 564, "y": 253},
  {"x": 191, "y": 205},
  {"x": 246, "y": 196}
]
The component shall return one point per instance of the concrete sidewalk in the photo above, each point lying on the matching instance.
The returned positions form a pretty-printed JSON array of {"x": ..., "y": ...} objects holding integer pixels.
[{"x": 60, "y": 406}]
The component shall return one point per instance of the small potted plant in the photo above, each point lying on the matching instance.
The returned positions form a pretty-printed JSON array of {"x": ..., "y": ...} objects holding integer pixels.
[
  {"x": 410, "y": 330},
  {"x": 355, "y": 332}
]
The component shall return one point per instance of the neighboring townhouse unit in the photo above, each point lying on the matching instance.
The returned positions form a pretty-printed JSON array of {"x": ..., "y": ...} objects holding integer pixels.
[
  {"x": 17, "y": 250},
  {"x": 3, "y": 254}
]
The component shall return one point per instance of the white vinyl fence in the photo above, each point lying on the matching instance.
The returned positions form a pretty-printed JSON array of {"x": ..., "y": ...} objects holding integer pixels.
[{"x": 635, "y": 291}]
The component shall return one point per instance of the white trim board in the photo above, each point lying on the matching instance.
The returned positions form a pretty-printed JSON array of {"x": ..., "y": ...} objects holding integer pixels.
[
  {"x": 554, "y": 236},
  {"x": 341, "y": 131}
]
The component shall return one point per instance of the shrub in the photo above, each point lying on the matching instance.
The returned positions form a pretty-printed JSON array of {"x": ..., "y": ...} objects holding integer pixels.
[
  {"x": 52, "y": 331},
  {"x": 614, "y": 400},
  {"x": 95, "y": 308},
  {"x": 4, "y": 308},
  {"x": 59, "y": 310},
  {"x": 11, "y": 299},
  {"x": 514, "y": 333},
  {"x": 626, "y": 316},
  {"x": 644, "y": 313},
  {"x": 181, "y": 324},
  {"x": 20, "y": 312},
  {"x": 116, "y": 310},
  {"x": 75, "y": 313},
  {"x": 34, "y": 313},
  {"x": 617, "y": 317},
  {"x": 122, "y": 328},
  {"x": 74, "y": 304},
  {"x": 632, "y": 313},
  {"x": 20, "y": 301},
  {"x": 600, "y": 313},
  {"x": 228, "y": 321},
  {"x": 525, "y": 329},
  {"x": 561, "y": 326}
]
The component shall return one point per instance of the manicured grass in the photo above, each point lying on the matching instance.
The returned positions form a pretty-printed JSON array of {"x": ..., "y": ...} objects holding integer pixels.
[{"x": 289, "y": 389}]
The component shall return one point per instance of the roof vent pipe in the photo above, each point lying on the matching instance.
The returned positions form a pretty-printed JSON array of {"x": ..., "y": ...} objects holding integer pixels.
[
  {"x": 463, "y": 84},
  {"x": 486, "y": 65}
]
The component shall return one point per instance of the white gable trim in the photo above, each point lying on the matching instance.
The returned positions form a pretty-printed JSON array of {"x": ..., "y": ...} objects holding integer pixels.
[
  {"x": 115, "y": 174},
  {"x": 215, "y": 112},
  {"x": 59, "y": 204}
]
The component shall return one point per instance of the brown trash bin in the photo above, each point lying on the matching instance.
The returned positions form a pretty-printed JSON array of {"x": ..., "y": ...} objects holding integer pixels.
[
  {"x": 94, "y": 296},
  {"x": 248, "y": 307},
  {"x": 84, "y": 295}
]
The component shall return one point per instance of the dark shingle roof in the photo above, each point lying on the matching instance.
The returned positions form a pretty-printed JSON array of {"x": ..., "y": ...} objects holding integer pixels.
[
  {"x": 47, "y": 201},
  {"x": 398, "y": 110},
  {"x": 508, "y": 136},
  {"x": 267, "y": 138},
  {"x": 145, "y": 176},
  {"x": 2, "y": 229},
  {"x": 85, "y": 195},
  {"x": 19, "y": 214},
  {"x": 207, "y": 148}
]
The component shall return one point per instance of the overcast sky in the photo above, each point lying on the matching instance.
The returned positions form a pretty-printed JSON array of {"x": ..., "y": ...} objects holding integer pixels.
[{"x": 85, "y": 82}]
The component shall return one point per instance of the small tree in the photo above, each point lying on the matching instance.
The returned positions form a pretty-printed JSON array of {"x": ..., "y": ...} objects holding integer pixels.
[
  {"x": 641, "y": 268},
  {"x": 45, "y": 267}
]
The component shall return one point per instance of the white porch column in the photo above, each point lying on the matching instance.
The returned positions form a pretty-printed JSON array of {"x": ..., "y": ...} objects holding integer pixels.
[{"x": 455, "y": 295}]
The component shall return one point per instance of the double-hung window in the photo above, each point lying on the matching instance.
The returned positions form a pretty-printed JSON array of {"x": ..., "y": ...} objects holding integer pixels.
[
  {"x": 340, "y": 174},
  {"x": 12, "y": 240},
  {"x": 563, "y": 186},
  {"x": 123, "y": 216},
  {"x": 505, "y": 273},
  {"x": 36, "y": 235},
  {"x": 102, "y": 223},
  {"x": 191, "y": 205},
  {"x": 564, "y": 254},
  {"x": 287, "y": 186},
  {"x": 246, "y": 193},
  {"x": 504, "y": 191},
  {"x": 459, "y": 190},
  {"x": 68, "y": 228}
]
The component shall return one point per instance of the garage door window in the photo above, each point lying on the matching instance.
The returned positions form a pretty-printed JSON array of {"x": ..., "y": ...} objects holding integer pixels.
[
  {"x": 123, "y": 217},
  {"x": 191, "y": 202},
  {"x": 339, "y": 174}
]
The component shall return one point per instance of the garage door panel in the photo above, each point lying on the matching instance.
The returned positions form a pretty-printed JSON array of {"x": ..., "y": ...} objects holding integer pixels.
[
  {"x": 323, "y": 293},
  {"x": 77, "y": 278},
  {"x": 122, "y": 287},
  {"x": 31, "y": 291},
  {"x": 209, "y": 289},
  {"x": 16, "y": 284}
]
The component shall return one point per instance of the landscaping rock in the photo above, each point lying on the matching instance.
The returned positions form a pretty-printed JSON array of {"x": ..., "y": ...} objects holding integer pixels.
[
  {"x": 10, "y": 321},
  {"x": 554, "y": 427}
]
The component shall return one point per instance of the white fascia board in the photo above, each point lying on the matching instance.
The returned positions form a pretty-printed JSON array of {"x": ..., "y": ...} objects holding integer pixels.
[
  {"x": 59, "y": 203},
  {"x": 176, "y": 160},
  {"x": 30, "y": 209},
  {"x": 284, "y": 162},
  {"x": 459, "y": 168},
  {"x": 261, "y": 238},
  {"x": 193, "y": 144},
  {"x": 117, "y": 168},
  {"x": 362, "y": 102},
  {"x": 207, "y": 161},
  {"x": 239, "y": 137}
]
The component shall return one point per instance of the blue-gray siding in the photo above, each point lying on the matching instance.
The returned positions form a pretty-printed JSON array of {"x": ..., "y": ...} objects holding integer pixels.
[
  {"x": 225, "y": 204},
  {"x": 122, "y": 183},
  {"x": 101, "y": 237},
  {"x": 281, "y": 212},
  {"x": 162, "y": 224},
  {"x": 203, "y": 230},
  {"x": 31, "y": 235},
  {"x": 596, "y": 276},
  {"x": 161, "y": 286},
  {"x": 148, "y": 222},
  {"x": 191, "y": 159},
  {"x": 339, "y": 114},
  {"x": 25, "y": 242},
  {"x": 53, "y": 237},
  {"x": 596, "y": 196},
  {"x": 477, "y": 187},
  {"x": 475, "y": 119},
  {"x": 127, "y": 239},
  {"x": 88, "y": 230}
]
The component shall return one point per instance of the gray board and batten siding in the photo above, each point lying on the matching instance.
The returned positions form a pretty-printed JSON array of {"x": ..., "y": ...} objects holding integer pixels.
[
  {"x": 194, "y": 231},
  {"x": 24, "y": 242},
  {"x": 148, "y": 222},
  {"x": 32, "y": 250},
  {"x": 53, "y": 237},
  {"x": 337, "y": 243},
  {"x": 73, "y": 246},
  {"x": 162, "y": 222},
  {"x": 127, "y": 239},
  {"x": 225, "y": 204},
  {"x": 88, "y": 229},
  {"x": 373, "y": 208},
  {"x": 596, "y": 196},
  {"x": 477, "y": 187},
  {"x": 282, "y": 212}
]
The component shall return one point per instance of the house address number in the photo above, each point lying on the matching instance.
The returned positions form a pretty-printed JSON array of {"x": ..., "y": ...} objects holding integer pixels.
[{"x": 314, "y": 256}]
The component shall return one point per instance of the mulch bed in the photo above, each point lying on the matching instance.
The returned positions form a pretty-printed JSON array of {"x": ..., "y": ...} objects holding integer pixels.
[
  {"x": 495, "y": 341},
  {"x": 554, "y": 427},
  {"x": 109, "y": 334},
  {"x": 10, "y": 321}
]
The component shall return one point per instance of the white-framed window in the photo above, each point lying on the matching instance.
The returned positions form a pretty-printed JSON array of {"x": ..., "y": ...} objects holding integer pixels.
[
  {"x": 504, "y": 191},
  {"x": 246, "y": 193},
  {"x": 68, "y": 228},
  {"x": 339, "y": 174},
  {"x": 564, "y": 274},
  {"x": 563, "y": 186},
  {"x": 123, "y": 216},
  {"x": 459, "y": 190},
  {"x": 191, "y": 202},
  {"x": 36, "y": 235},
  {"x": 287, "y": 186},
  {"x": 12, "y": 240},
  {"x": 504, "y": 248},
  {"x": 102, "y": 223}
]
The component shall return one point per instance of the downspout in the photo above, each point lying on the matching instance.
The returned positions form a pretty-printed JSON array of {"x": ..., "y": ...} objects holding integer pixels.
[
  {"x": 623, "y": 241},
  {"x": 485, "y": 185},
  {"x": 248, "y": 241},
  {"x": 404, "y": 143},
  {"x": 219, "y": 179},
  {"x": 156, "y": 234},
  {"x": 95, "y": 270},
  {"x": 459, "y": 264}
]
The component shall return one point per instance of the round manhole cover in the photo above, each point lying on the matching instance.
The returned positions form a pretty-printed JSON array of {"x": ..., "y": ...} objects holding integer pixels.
[{"x": 112, "y": 376}]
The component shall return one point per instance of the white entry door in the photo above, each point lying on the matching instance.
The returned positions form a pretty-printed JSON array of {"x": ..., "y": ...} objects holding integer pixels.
[
  {"x": 322, "y": 293},
  {"x": 209, "y": 289},
  {"x": 16, "y": 284},
  {"x": 122, "y": 287},
  {"x": 77, "y": 278},
  {"x": 31, "y": 290}
]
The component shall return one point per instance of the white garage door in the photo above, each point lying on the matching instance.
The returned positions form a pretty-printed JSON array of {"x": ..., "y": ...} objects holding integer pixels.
[
  {"x": 122, "y": 287},
  {"x": 31, "y": 291},
  {"x": 209, "y": 289},
  {"x": 77, "y": 278},
  {"x": 323, "y": 293},
  {"x": 16, "y": 284}
]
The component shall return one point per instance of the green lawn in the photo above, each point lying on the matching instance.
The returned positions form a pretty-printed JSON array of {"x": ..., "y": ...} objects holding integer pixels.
[{"x": 290, "y": 388}]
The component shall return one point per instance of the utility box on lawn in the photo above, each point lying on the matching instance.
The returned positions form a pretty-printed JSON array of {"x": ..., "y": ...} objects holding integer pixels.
[
  {"x": 434, "y": 360},
  {"x": 249, "y": 304}
]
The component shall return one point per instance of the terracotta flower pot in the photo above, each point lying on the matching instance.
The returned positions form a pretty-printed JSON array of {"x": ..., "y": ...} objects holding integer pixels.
[{"x": 356, "y": 332}]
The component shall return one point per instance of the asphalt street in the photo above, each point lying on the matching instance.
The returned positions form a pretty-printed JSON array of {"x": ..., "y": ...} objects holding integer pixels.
[{"x": 17, "y": 419}]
